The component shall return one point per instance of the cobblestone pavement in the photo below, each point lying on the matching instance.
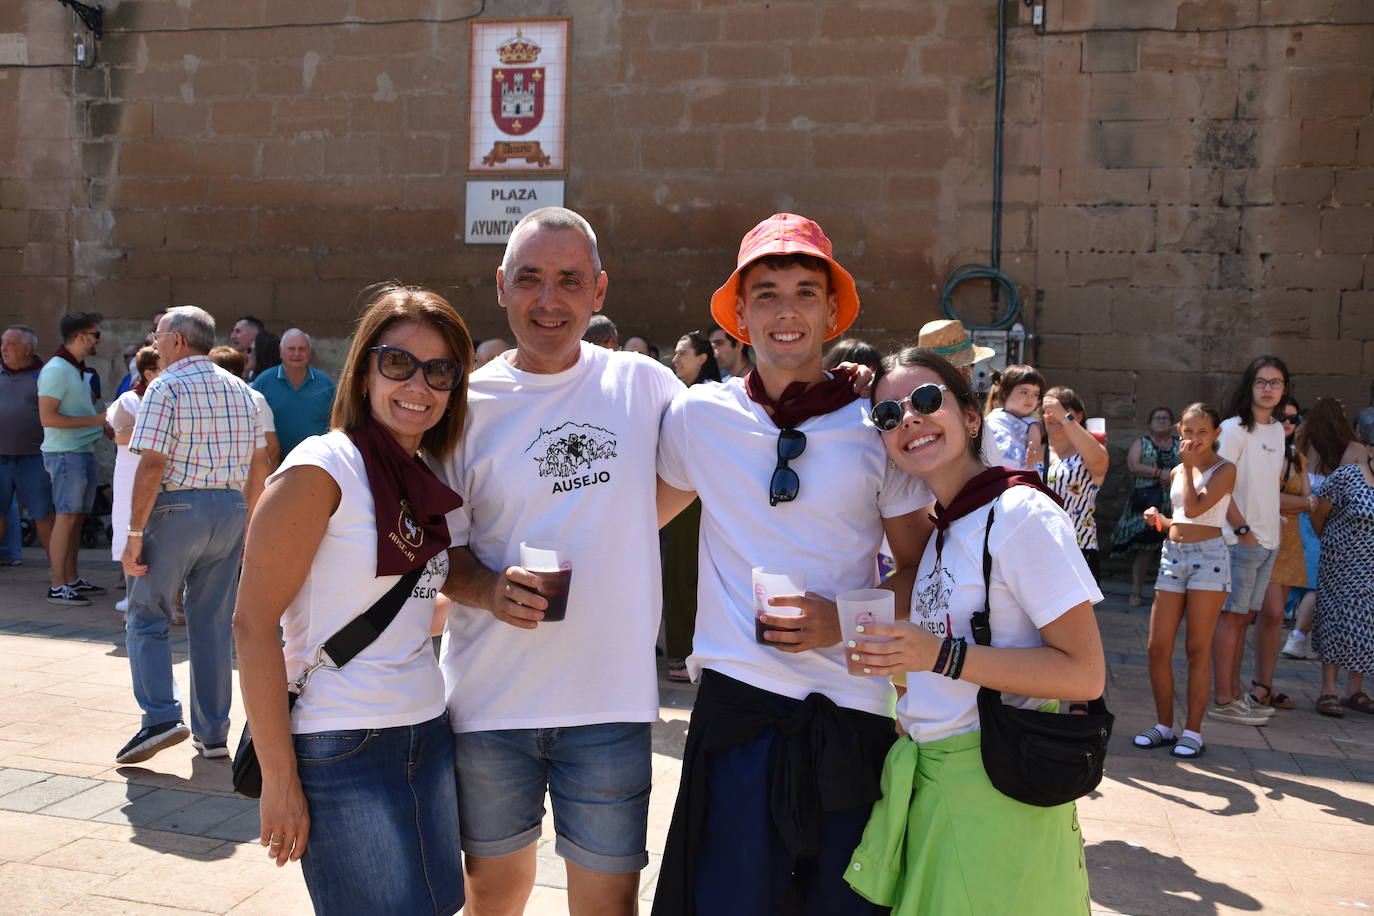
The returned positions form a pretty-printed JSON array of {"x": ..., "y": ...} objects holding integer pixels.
[{"x": 1272, "y": 820}]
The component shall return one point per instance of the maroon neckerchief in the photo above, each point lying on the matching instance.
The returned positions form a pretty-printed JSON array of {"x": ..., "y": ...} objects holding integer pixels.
[
  {"x": 410, "y": 502},
  {"x": 980, "y": 491},
  {"x": 64, "y": 353},
  {"x": 799, "y": 403}
]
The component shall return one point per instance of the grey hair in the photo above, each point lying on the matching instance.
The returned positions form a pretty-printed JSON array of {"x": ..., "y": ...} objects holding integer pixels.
[
  {"x": 28, "y": 333},
  {"x": 600, "y": 331},
  {"x": 554, "y": 218},
  {"x": 1364, "y": 426},
  {"x": 195, "y": 325},
  {"x": 308, "y": 339}
]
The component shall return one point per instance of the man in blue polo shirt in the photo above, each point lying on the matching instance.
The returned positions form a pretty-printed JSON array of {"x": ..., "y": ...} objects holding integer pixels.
[
  {"x": 300, "y": 396},
  {"x": 71, "y": 426}
]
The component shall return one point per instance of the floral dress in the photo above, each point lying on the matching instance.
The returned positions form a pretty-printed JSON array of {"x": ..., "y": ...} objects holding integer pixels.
[
  {"x": 1132, "y": 534},
  {"x": 1343, "y": 630}
]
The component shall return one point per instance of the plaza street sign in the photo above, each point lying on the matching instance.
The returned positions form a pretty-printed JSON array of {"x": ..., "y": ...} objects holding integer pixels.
[{"x": 494, "y": 207}]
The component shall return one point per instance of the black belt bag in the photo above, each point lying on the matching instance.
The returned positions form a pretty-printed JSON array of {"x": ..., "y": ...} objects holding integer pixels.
[
  {"x": 356, "y": 635},
  {"x": 1039, "y": 758}
]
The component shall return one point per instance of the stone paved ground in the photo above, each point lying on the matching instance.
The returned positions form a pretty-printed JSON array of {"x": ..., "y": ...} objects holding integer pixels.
[{"x": 1274, "y": 820}]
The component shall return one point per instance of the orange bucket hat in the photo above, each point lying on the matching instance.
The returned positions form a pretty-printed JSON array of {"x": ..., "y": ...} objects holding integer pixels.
[{"x": 785, "y": 233}]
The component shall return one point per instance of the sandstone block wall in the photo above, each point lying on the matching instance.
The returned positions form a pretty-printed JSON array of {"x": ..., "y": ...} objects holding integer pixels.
[{"x": 1187, "y": 184}]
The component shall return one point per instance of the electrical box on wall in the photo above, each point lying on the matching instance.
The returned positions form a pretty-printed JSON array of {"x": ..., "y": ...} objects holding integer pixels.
[{"x": 1009, "y": 348}]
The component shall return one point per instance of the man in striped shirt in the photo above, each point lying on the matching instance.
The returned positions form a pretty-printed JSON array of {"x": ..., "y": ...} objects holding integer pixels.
[{"x": 202, "y": 465}]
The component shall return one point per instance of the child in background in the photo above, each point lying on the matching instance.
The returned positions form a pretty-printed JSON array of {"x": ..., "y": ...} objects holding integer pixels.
[
  {"x": 1015, "y": 439},
  {"x": 1194, "y": 578}
]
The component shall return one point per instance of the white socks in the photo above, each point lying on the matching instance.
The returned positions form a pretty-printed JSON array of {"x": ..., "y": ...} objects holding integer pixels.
[{"x": 1187, "y": 751}]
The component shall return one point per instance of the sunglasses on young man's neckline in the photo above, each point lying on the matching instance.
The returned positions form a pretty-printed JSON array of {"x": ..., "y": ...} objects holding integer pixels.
[
  {"x": 924, "y": 399},
  {"x": 399, "y": 365},
  {"x": 785, "y": 484}
]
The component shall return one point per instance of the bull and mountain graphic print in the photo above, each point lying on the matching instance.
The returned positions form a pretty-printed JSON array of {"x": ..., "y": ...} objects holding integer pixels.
[{"x": 573, "y": 455}]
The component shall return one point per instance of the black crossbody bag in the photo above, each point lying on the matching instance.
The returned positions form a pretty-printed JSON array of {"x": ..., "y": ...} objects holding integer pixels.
[
  {"x": 339, "y": 649},
  {"x": 1039, "y": 758}
]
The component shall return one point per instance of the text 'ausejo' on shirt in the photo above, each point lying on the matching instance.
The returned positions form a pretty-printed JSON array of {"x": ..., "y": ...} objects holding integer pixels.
[
  {"x": 395, "y": 680},
  {"x": 721, "y": 444},
  {"x": 1258, "y": 457},
  {"x": 1038, "y": 573},
  {"x": 566, "y": 457}
]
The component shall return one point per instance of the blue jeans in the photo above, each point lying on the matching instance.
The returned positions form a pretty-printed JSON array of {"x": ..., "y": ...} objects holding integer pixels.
[
  {"x": 383, "y": 820},
  {"x": 25, "y": 476},
  {"x": 597, "y": 776},
  {"x": 195, "y": 537},
  {"x": 1250, "y": 569},
  {"x": 12, "y": 545},
  {"x": 74, "y": 481}
]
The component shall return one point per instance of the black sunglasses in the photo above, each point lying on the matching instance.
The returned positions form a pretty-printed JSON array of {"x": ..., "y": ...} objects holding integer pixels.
[
  {"x": 1292, "y": 418},
  {"x": 785, "y": 484},
  {"x": 399, "y": 365},
  {"x": 924, "y": 399}
]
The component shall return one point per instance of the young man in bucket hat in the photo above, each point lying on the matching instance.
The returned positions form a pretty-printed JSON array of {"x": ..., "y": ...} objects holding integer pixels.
[{"x": 785, "y": 747}]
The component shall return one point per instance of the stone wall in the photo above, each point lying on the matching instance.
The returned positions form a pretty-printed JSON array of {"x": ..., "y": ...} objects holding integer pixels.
[{"x": 1187, "y": 183}]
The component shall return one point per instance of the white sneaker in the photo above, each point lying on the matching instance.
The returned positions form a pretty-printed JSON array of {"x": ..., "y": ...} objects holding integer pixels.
[
  {"x": 1236, "y": 713},
  {"x": 122, "y": 605},
  {"x": 1253, "y": 708},
  {"x": 1298, "y": 645}
]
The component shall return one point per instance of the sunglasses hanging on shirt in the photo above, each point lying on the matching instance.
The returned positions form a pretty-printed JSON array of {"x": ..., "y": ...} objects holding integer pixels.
[{"x": 784, "y": 486}]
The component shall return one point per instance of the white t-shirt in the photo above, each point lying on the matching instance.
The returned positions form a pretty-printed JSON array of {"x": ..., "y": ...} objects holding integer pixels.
[
  {"x": 721, "y": 444},
  {"x": 568, "y": 458},
  {"x": 269, "y": 423},
  {"x": 1258, "y": 457},
  {"x": 1006, "y": 438},
  {"x": 395, "y": 680},
  {"x": 1038, "y": 573}
]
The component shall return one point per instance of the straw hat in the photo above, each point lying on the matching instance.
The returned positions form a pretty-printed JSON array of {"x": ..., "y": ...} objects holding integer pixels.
[
  {"x": 785, "y": 233},
  {"x": 950, "y": 339}
]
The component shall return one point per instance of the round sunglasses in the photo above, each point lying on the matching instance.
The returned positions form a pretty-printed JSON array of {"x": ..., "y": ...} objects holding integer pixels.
[
  {"x": 398, "y": 365},
  {"x": 924, "y": 399}
]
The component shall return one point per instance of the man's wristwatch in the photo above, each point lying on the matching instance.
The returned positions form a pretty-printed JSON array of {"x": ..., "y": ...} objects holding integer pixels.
[
  {"x": 1241, "y": 532},
  {"x": 139, "y": 533}
]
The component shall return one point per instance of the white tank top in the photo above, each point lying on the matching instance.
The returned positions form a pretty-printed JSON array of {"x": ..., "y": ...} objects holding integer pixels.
[{"x": 1215, "y": 516}]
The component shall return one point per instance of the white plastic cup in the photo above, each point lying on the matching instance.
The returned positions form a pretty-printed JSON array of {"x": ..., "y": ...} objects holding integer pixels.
[
  {"x": 768, "y": 581},
  {"x": 862, "y": 606},
  {"x": 550, "y": 563},
  {"x": 1098, "y": 427}
]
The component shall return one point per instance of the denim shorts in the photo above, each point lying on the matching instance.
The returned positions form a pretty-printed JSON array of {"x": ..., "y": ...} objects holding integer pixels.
[
  {"x": 26, "y": 476},
  {"x": 1202, "y": 566},
  {"x": 74, "y": 480},
  {"x": 1250, "y": 569},
  {"x": 383, "y": 820},
  {"x": 598, "y": 777}
]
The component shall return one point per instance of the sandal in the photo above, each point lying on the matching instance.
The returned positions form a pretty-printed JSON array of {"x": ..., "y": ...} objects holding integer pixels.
[
  {"x": 1135, "y": 600},
  {"x": 1191, "y": 746},
  {"x": 1329, "y": 705},
  {"x": 1153, "y": 739},
  {"x": 1360, "y": 702},
  {"x": 1276, "y": 700},
  {"x": 677, "y": 671}
]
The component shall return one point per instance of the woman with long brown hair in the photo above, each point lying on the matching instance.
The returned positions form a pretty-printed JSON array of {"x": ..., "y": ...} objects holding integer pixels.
[{"x": 357, "y": 774}]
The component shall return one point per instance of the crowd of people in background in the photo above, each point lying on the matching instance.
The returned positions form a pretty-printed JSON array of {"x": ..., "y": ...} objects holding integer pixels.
[{"x": 442, "y": 459}]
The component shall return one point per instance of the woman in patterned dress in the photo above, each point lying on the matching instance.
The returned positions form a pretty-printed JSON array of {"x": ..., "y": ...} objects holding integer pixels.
[
  {"x": 1077, "y": 466},
  {"x": 1150, "y": 459},
  {"x": 1343, "y": 632}
]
